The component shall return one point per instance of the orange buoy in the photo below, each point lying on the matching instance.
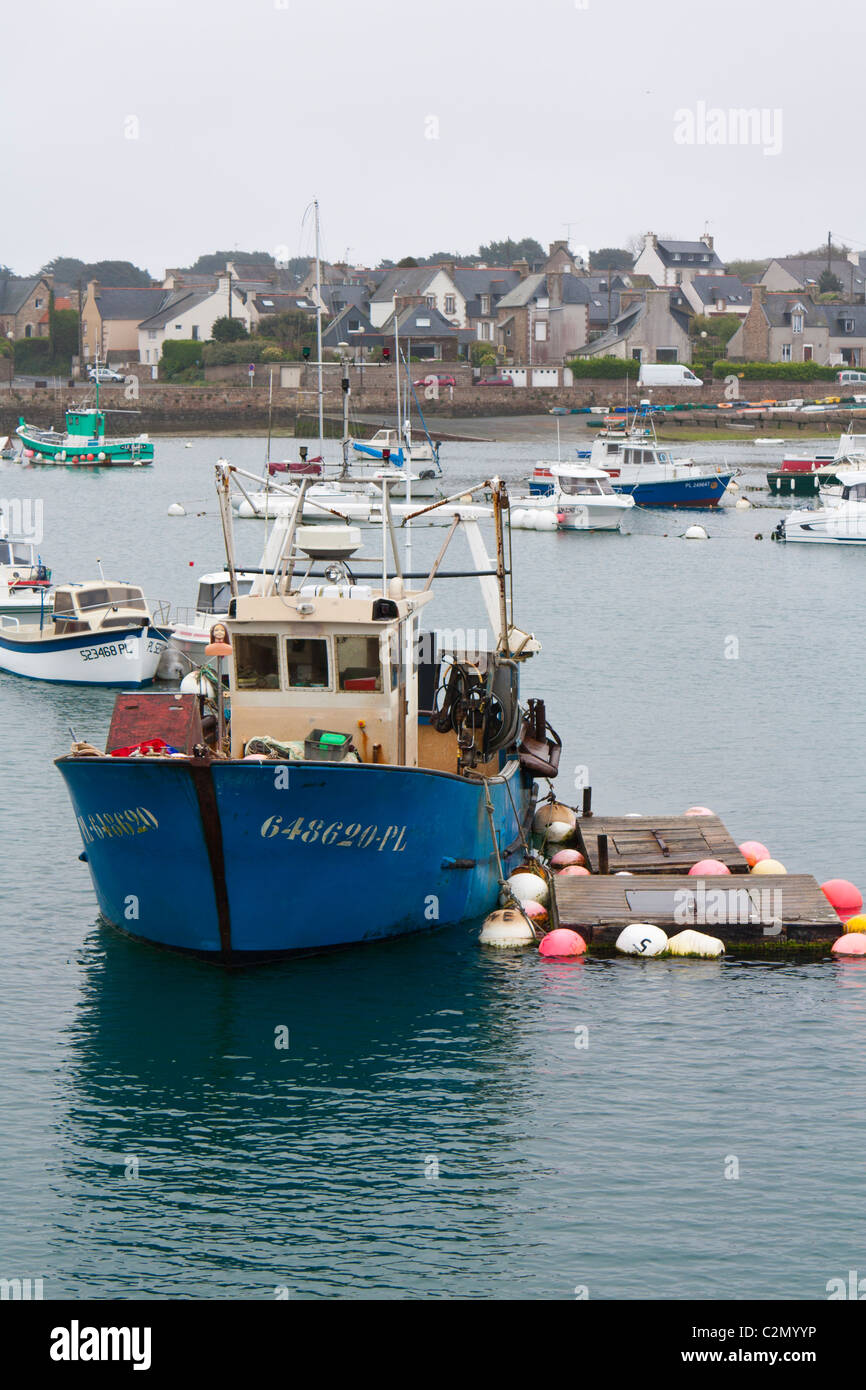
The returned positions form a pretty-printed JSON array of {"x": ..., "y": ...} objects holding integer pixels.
[
  {"x": 852, "y": 944},
  {"x": 573, "y": 871},
  {"x": 709, "y": 867},
  {"x": 753, "y": 852},
  {"x": 699, "y": 811},
  {"x": 564, "y": 942},
  {"x": 842, "y": 896},
  {"x": 567, "y": 856}
]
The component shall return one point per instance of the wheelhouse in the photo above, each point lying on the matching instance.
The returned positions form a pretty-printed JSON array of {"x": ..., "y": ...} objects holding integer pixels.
[{"x": 99, "y": 605}]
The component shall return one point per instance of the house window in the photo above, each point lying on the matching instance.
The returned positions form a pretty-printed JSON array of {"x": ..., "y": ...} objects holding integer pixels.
[
  {"x": 39, "y": 303},
  {"x": 666, "y": 354},
  {"x": 705, "y": 258},
  {"x": 486, "y": 331},
  {"x": 677, "y": 256},
  {"x": 485, "y": 304},
  {"x": 195, "y": 332},
  {"x": 178, "y": 327},
  {"x": 151, "y": 333},
  {"x": 849, "y": 325},
  {"x": 637, "y": 354},
  {"x": 355, "y": 326},
  {"x": 422, "y": 323},
  {"x": 450, "y": 304},
  {"x": 541, "y": 331},
  {"x": 796, "y": 323},
  {"x": 786, "y": 352},
  {"x": 28, "y": 331},
  {"x": 430, "y": 301}
]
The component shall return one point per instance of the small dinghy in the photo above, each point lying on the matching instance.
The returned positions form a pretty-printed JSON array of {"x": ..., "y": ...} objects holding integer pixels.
[{"x": 100, "y": 633}]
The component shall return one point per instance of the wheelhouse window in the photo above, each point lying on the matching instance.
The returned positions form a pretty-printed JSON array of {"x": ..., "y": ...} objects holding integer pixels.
[
  {"x": 257, "y": 663},
  {"x": 20, "y": 554},
  {"x": 127, "y": 597},
  {"x": 580, "y": 487},
  {"x": 359, "y": 665},
  {"x": 215, "y": 598},
  {"x": 307, "y": 663}
]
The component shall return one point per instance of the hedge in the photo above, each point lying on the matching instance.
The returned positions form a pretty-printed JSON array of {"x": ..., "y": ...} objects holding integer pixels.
[
  {"x": 178, "y": 355},
  {"x": 604, "y": 367},
  {"x": 774, "y": 371},
  {"x": 226, "y": 354},
  {"x": 33, "y": 357}
]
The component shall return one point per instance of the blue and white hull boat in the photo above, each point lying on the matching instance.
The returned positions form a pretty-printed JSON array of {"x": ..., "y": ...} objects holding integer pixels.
[
  {"x": 371, "y": 786},
  {"x": 99, "y": 633},
  {"x": 640, "y": 467}
]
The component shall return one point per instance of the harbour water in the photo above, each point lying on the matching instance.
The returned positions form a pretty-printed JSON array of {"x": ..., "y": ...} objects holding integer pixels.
[{"x": 440, "y": 1124}]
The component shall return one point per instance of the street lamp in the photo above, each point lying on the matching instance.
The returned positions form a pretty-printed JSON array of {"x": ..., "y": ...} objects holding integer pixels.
[{"x": 11, "y": 337}]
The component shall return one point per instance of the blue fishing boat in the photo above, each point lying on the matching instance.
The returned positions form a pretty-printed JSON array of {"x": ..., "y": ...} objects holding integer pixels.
[
  {"x": 647, "y": 471},
  {"x": 369, "y": 784}
]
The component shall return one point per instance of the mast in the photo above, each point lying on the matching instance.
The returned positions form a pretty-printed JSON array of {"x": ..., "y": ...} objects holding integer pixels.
[
  {"x": 397, "y": 366},
  {"x": 319, "y": 336}
]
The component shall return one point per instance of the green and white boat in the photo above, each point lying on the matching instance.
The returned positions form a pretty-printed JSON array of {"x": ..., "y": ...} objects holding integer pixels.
[{"x": 84, "y": 443}]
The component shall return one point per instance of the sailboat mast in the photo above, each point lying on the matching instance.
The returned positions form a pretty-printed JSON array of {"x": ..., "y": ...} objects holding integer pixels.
[
  {"x": 397, "y": 370},
  {"x": 319, "y": 336}
]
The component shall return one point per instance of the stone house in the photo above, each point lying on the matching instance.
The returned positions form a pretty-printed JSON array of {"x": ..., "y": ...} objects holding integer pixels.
[
  {"x": 804, "y": 273},
  {"x": 435, "y": 284},
  {"x": 24, "y": 304},
  {"x": 544, "y": 320},
  {"x": 717, "y": 294},
  {"x": 483, "y": 288},
  {"x": 652, "y": 326},
  {"x": 782, "y": 326},
  {"x": 674, "y": 262}
]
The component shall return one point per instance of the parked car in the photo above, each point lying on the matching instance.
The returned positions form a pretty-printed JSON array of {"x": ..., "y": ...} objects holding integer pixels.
[
  {"x": 105, "y": 374},
  {"x": 496, "y": 381},
  {"x": 851, "y": 376},
  {"x": 442, "y": 380}
]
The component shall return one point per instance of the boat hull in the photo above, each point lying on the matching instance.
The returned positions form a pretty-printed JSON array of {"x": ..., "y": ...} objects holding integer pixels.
[
  {"x": 239, "y": 861},
  {"x": 94, "y": 453},
  {"x": 829, "y": 526},
  {"x": 127, "y": 657},
  {"x": 676, "y": 492}
]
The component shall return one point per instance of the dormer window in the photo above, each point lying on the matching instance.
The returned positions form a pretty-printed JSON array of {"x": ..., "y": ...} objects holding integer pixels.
[
  {"x": 796, "y": 323},
  {"x": 677, "y": 256},
  {"x": 485, "y": 304},
  {"x": 848, "y": 325},
  {"x": 705, "y": 258}
]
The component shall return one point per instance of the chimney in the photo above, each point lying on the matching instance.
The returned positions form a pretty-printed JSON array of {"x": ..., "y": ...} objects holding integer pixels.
[
  {"x": 522, "y": 268},
  {"x": 557, "y": 246},
  {"x": 759, "y": 294},
  {"x": 449, "y": 266},
  {"x": 554, "y": 288},
  {"x": 707, "y": 240}
]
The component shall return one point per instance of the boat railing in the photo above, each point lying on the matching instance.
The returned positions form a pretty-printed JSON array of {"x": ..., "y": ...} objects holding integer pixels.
[{"x": 7, "y": 618}]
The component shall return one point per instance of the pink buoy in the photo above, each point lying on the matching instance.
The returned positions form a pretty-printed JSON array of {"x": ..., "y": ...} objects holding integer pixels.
[
  {"x": 708, "y": 867},
  {"x": 843, "y": 897},
  {"x": 567, "y": 856},
  {"x": 699, "y": 811},
  {"x": 573, "y": 871},
  {"x": 854, "y": 944},
  {"x": 534, "y": 910},
  {"x": 753, "y": 852},
  {"x": 564, "y": 942}
]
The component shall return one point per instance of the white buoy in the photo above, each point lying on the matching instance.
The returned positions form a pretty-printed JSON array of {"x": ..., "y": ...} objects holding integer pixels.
[
  {"x": 733, "y": 486},
  {"x": 176, "y": 510},
  {"x": 195, "y": 683},
  {"x": 527, "y": 887},
  {"x": 553, "y": 813},
  {"x": 695, "y": 943},
  {"x": 518, "y": 520},
  {"x": 506, "y": 929},
  {"x": 623, "y": 873},
  {"x": 546, "y": 521},
  {"x": 642, "y": 939},
  {"x": 742, "y": 504},
  {"x": 100, "y": 458},
  {"x": 187, "y": 446},
  {"x": 695, "y": 533}
]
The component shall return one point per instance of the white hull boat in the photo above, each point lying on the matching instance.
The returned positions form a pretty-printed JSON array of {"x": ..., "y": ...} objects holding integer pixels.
[
  {"x": 99, "y": 634},
  {"x": 580, "y": 498},
  {"x": 24, "y": 582},
  {"x": 840, "y": 521}
]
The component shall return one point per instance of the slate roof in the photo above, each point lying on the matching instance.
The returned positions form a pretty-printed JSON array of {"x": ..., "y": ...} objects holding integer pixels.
[
  {"x": 15, "y": 291},
  {"x": 836, "y": 314},
  {"x": 779, "y": 304},
  {"x": 405, "y": 280},
  {"x": 575, "y": 290},
  {"x": 689, "y": 252},
  {"x": 270, "y": 303},
  {"x": 474, "y": 281},
  {"x": 338, "y": 297},
  {"x": 438, "y": 326},
  {"x": 177, "y": 302},
  {"x": 129, "y": 302},
  {"x": 710, "y": 288},
  {"x": 338, "y": 329},
  {"x": 807, "y": 271}
]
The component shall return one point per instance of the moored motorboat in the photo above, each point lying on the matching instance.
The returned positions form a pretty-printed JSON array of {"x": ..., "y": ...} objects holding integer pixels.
[
  {"x": 372, "y": 784},
  {"x": 25, "y": 582},
  {"x": 841, "y": 520},
  {"x": 575, "y": 497},
  {"x": 803, "y": 475},
  {"x": 99, "y": 633},
  {"x": 638, "y": 465}
]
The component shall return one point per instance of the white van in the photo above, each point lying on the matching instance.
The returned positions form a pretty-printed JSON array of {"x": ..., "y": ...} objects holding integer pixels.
[
  {"x": 667, "y": 374},
  {"x": 844, "y": 377}
]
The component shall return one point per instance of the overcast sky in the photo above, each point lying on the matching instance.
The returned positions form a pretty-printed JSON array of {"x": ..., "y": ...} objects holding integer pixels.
[{"x": 422, "y": 127}]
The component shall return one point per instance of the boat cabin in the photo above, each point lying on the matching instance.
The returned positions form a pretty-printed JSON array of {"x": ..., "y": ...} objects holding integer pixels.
[
  {"x": 85, "y": 427},
  {"x": 215, "y": 592},
  {"x": 98, "y": 605},
  {"x": 853, "y": 484},
  {"x": 21, "y": 557},
  {"x": 576, "y": 480}
]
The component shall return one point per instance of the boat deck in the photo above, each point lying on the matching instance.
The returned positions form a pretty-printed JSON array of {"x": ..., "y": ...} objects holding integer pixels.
[{"x": 656, "y": 844}]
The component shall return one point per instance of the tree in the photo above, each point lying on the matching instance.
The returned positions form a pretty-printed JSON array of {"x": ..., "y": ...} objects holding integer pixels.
[
  {"x": 216, "y": 261},
  {"x": 507, "y": 252},
  {"x": 226, "y": 330},
  {"x": 829, "y": 283},
  {"x": 293, "y": 330},
  {"x": 611, "y": 258},
  {"x": 68, "y": 270},
  {"x": 408, "y": 262}
]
